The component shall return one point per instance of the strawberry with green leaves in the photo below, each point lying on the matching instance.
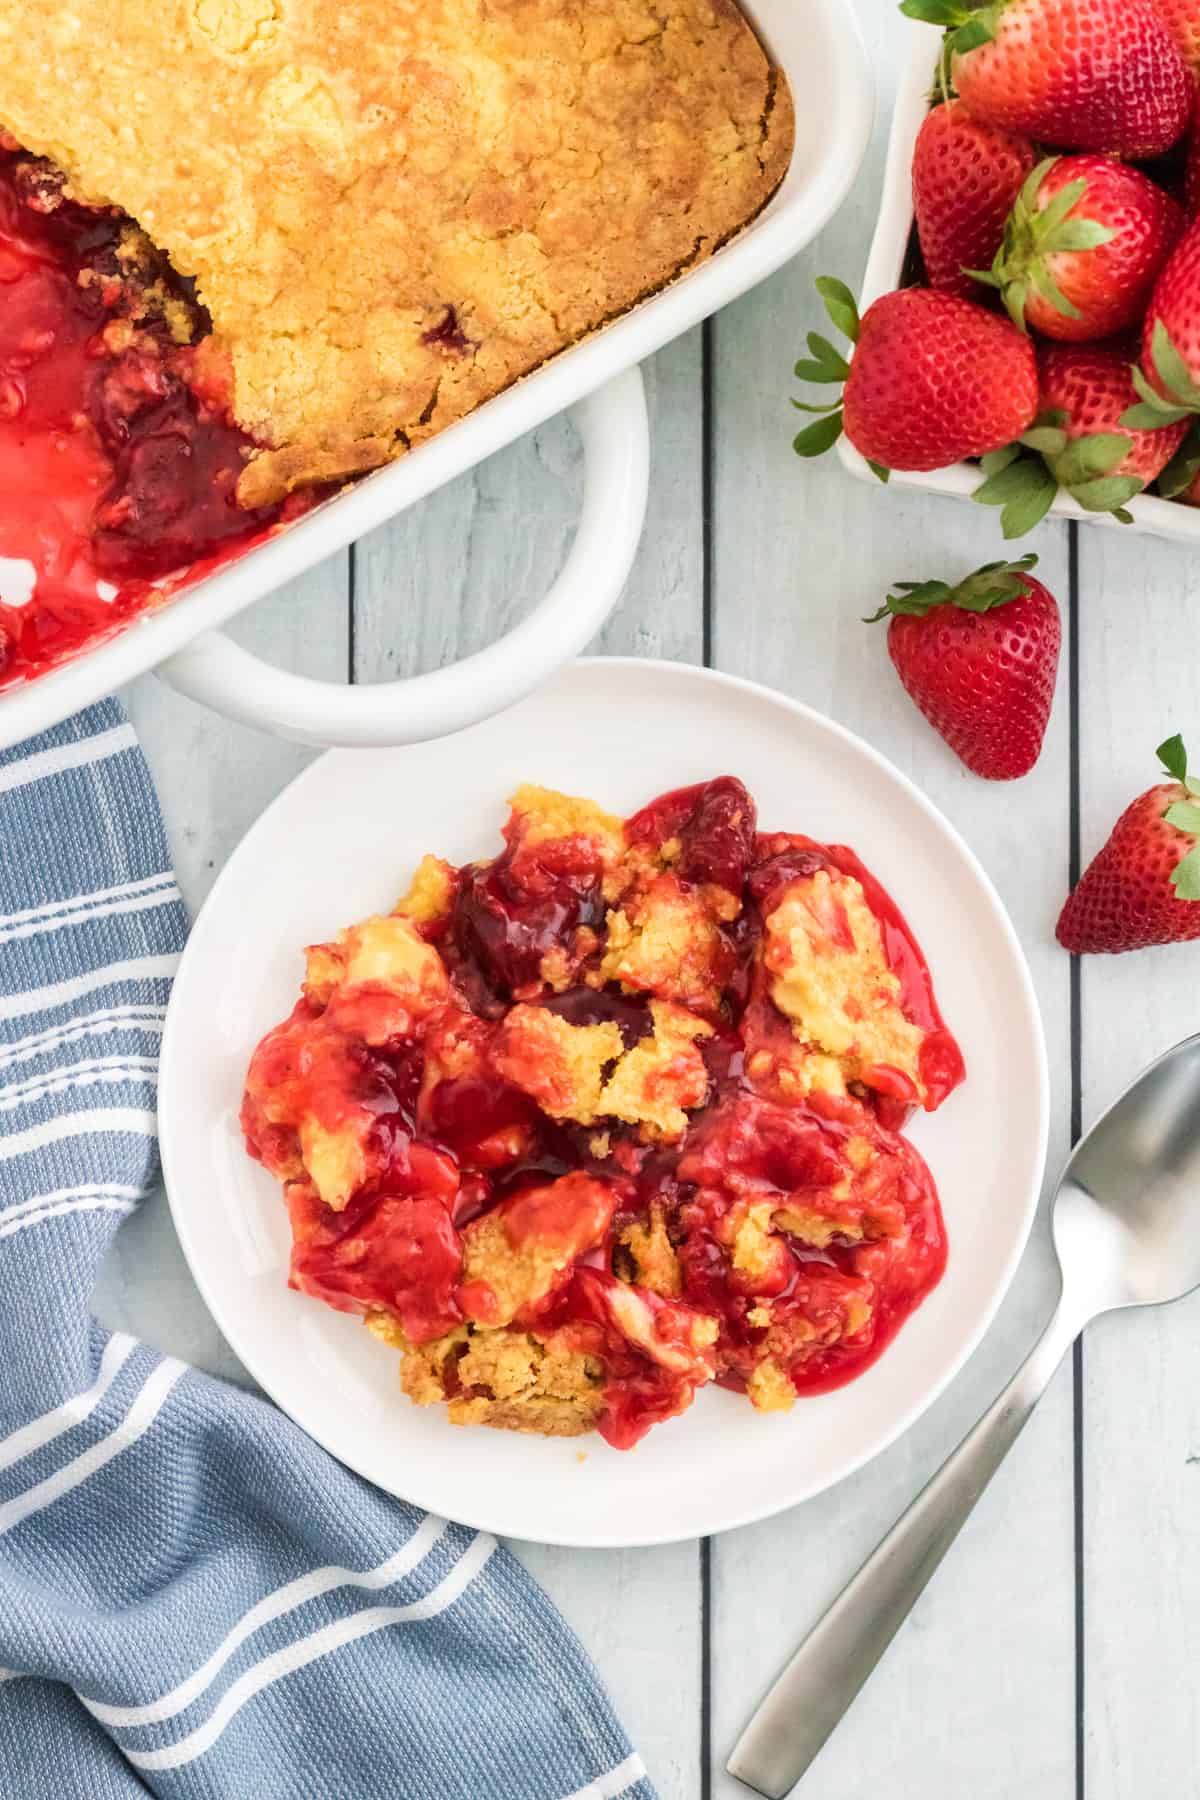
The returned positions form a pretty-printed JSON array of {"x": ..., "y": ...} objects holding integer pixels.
[
  {"x": 1082, "y": 248},
  {"x": 966, "y": 175},
  {"x": 1087, "y": 391},
  {"x": 1180, "y": 480},
  {"x": 1143, "y": 887},
  {"x": 1079, "y": 441},
  {"x": 1168, "y": 381},
  {"x": 1101, "y": 75},
  {"x": 932, "y": 379},
  {"x": 980, "y": 660}
]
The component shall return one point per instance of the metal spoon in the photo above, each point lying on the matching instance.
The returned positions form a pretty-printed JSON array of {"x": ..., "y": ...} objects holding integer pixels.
[{"x": 1127, "y": 1233}]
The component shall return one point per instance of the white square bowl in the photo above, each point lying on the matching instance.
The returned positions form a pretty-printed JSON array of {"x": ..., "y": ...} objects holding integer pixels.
[
  {"x": 818, "y": 46},
  {"x": 885, "y": 264}
]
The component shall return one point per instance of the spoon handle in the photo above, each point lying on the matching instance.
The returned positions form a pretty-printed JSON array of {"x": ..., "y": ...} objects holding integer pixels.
[{"x": 838, "y": 1655}]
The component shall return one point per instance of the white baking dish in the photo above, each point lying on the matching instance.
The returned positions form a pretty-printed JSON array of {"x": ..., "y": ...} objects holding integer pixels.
[
  {"x": 889, "y": 247},
  {"x": 816, "y": 42}
]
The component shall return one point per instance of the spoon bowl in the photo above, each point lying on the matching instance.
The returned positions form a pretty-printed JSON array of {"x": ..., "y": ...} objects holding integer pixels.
[
  {"x": 1127, "y": 1233},
  {"x": 1127, "y": 1211}
]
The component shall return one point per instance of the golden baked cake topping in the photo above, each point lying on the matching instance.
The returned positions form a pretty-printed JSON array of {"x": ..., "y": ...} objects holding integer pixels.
[{"x": 391, "y": 212}]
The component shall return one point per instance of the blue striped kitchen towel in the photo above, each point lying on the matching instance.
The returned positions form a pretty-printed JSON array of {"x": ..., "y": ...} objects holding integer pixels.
[{"x": 195, "y": 1599}]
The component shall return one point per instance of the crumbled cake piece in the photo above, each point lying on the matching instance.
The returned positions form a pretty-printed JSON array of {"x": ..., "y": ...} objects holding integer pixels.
[
  {"x": 663, "y": 940},
  {"x": 386, "y": 952},
  {"x": 542, "y": 815},
  {"x": 511, "y": 1380},
  {"x": 769, "y": 1387},
  {"x": 549, "y": 830},
  {"x": 336, "y": 1159},
  {"x": 516, "y": 1254},
  {"x": 430, "y": 894},
  {"x": 663, "y": 1077},
  {"x": 865, "y": 1204},
  {"x": 393, "y": 213},
  {"x": 780, "y": 1065},
  {"x": 653, "y": 1261},
  {"x": 829, "y": 972},
  {"x": 559, "y": 1065},
  {"x": 755, "y": 1251},
  {"x": 309, "y": 1107}
]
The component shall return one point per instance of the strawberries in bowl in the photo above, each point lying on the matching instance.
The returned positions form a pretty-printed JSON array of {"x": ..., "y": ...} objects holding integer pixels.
[{"x": 1067, "y": 110}]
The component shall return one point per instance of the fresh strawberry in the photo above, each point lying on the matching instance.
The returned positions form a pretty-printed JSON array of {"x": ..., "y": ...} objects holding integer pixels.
[
  {"x": 1180, "y": 480},
  {"x": 1082, "y": 74},
  {"x": 980, "y": 660},
  {"x": 1086, "y": 390},
  {"x": 933, "y": 379},
  {"x": 1191, "y": 167},
  {"x": 1182, "y": 20},
  {"x": 1168, "y": 380},
  {"x": 1082, "y": 247},
  {"x": 1144, "y": 885},
  {"x": 965, "y": 177},
  {"x": 1082, "y": 441}
]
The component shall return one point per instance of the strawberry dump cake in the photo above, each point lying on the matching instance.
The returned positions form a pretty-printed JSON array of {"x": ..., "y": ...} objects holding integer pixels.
[
  {"x": 615, "y": 1114},
  {"x": 345, "y": 229}
]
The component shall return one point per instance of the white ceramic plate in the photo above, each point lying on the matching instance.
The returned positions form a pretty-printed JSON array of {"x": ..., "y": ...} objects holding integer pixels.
[{"x": 341, "y": 842}]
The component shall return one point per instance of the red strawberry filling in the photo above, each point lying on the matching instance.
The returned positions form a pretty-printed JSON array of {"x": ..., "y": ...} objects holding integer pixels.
[{"x": 117, "y": 457}]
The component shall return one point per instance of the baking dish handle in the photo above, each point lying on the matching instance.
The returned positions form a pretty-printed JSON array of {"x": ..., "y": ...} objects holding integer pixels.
[{"x": 616, "y": 442}]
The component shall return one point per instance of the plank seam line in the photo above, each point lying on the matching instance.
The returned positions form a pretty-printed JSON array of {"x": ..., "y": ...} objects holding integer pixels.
[{"x": 1076, "y": 1006}]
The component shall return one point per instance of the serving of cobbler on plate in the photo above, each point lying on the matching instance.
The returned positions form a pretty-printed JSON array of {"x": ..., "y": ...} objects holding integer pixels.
[
  {"x": 252, "y": 248},
  {"x": 613, "y": 1115}
]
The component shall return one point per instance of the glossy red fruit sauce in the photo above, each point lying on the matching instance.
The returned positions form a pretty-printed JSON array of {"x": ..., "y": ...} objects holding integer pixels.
[
  {"x": 448, "y": 1150},
  {"x": 118, "y": 461}
]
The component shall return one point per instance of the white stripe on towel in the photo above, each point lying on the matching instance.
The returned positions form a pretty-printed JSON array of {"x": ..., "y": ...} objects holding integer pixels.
[
  {"x": 103, "y": 1022},
  {"x": 283, "y": 1600},
  {"x": 38, "y": 1202},
  {"x": 135, "y": 1424},
  {"x": 66, "y": 756},
  {"x": 96, "y": 1204},
  {"x": 308, "y": 1650},
  {"x": 120, "y": 903},
  {"x": 72, "y": 903},
  {"x": 78, "y": 1075},
  {"x": 72, "y": 1412},
  {"x": 80, "y": 1124},
  {"x": 138, "y": 968},
  {"x": 617, "y": 1781}
]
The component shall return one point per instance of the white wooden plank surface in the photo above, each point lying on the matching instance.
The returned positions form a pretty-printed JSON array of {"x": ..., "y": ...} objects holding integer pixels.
[
  {"x": 978, "y": 1693},
  {"x": 213, "y": 780},
  {"x": 801, "y": 553},
  {"x": 1141, "y": 1413},
  {"x": 459, "y": 569}
]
